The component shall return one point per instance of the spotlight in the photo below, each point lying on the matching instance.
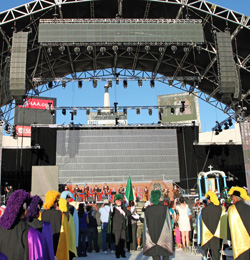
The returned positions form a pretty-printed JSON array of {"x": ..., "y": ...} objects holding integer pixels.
[
  {"x": 182, "y": 109},
  {"x": 115, "y": 48},
  {"x": 94, "y": 83},
  {"x": 152, "y": 83},
  {"x": 185, "y": 49},
  {"x": 174, "y": 49},
  {"x": 150, "y": 111},
  {"x": 110, "y": 83},
  {"x": 52, "y": 112},
  {"x": 138, "y": 111},
  {"x": 226, "y": 126},
  {"x": 125, "y": 83},
  {"x": 147, "y": 48},
  {"x": 64, "y": 111},
  {"x": 115, "y": 105},
  {"x": 218, "y": 126},
  {"x": 129, "y": 50},
  {"x": 140, "y": 83},
  {"x": 125, "y": 111},
  {"x": 64, "y": 84},
  {"x": 87, "y": 111},
  {"x": 98, "y": 112},
  {"x": 216, "y": 131},
  {"x": 49, "y": 50},
  {"x": 62, "y": 49},
  {"x": 172, "y": 110},
  {"x": 90, "y": 49},
  {"x": 77, "y": 50},
  {"x": 79, "y": 84},
  {"x": 170, "y": 83},
  {"x": 161, "y": 50},
  {"x": 14, "y": 133},
  {"x": 7, "y": 128},
  {"x": 111, "y": 111},
  {"x": 230, "y": 123},
  {"x": 199, "y": 49},
  {"x": 50, "y": 85},
  {"x": 103, "y": 50}
]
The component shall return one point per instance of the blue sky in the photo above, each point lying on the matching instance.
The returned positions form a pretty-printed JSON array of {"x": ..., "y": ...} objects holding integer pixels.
[{"x": 133, "y": 95}]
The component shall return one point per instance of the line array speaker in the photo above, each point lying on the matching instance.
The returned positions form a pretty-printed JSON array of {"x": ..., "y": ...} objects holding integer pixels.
[
  {"x": 18, "y": 65},
  {"x": 228, "y": 76}
]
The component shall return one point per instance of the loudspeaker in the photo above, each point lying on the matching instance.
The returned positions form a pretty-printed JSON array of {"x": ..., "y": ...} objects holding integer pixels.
[
  {"x": 228, "y": 75},
  {"x": 104, "y": 197},
  {"x": 18, "y": 65}
]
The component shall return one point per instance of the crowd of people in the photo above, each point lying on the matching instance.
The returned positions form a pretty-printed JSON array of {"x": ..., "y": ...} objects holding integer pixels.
[{"x": 35, "y": 230}]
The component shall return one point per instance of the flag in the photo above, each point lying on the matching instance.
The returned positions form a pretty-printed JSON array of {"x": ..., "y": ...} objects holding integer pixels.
[{"x": 129, "y": 191}]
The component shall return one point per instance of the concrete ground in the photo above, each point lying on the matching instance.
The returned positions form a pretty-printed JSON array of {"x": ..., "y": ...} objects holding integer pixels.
[{"x": 137, "y": 255}]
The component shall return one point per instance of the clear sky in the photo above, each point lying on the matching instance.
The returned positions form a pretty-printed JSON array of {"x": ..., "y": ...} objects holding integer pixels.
[{"x": 133, "y": 95}]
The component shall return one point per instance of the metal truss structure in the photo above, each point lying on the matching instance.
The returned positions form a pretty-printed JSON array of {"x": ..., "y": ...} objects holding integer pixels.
[{"x": 177, "y": 67}]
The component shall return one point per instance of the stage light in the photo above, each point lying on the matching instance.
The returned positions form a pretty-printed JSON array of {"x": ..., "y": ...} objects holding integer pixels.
[
  {"x": 90, "y": 49},
  {"x": 140, "y": 83},
  {"x": 185, "y": 49},
  {"x": 125, "y": 83},
  {"x": 77, "y": 50},
  {"x": 218, "y": 126},
  {"x": 172, "y": 110},
  {"x": 7, "y": 128},
  {"x": 115, "y": 48},
  {"x": 98, "y": 112},
  {"x": 216, "y": 131},
  {"x": 125, "y": 111},
  {"x": 111, "y": 111},
  {"x": 230, "y": 123},
  {"x": 94, "y": 83},
  {"x": 147, "y": 48},
  {"x": 152, "y": 83},
  {"x": 63, "y": 84},
  {"x": 226, "y": 126},
  {"x": 49, "y": 50},
  {"x": 115, "y": 105},
  {"x": 103, "y": 50},
  {"x": 14, "y": 133},
  {"x": 174, "y": 49},
  {"x": 150, "y": 111},
  {"x": 52, "y": 112},
  {"x": 110, "y": 83},
  {"x": 129, "y": 50},
  {"x": 79, "y": 84},
  {"x": 50, "y": 85},
  {"x": 161, "y": 50},
  {"x": 199, "y": 49},
  {"x": 87, "y": 111},
  {"x": 62, "y": 49},
  {"x": 170, "y": 83},
  {"x": 138, "y": 111},
  {"x": 182, "y": 109},
  {"x": 64, "y": 111}
]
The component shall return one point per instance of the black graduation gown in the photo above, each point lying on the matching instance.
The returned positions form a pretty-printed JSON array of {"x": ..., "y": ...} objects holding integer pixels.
[
  {"x": 211, "y": 217},
  {"x": 14, "y": 241},
  {"x": 55, "y": 218},
  {"x": 158, "y": 229}
]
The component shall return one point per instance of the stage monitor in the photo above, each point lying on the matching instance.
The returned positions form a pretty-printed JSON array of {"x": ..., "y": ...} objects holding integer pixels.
[
  {"x": 111, "y": 155},
  {"x": 123, "y": 31}
]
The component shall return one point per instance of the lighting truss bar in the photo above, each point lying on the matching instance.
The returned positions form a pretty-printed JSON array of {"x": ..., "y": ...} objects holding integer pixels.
[{"x": 128, "y": 78}]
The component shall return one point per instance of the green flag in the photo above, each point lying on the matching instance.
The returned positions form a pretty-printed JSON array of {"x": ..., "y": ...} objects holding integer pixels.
[{"x": 129, "y": 191}]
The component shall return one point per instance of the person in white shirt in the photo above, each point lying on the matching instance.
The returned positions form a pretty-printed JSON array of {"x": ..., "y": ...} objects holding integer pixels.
[{"x": 104, "y": 211}]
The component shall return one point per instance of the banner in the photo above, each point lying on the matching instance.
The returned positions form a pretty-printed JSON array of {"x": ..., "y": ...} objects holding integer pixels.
[{"x": 245, "y": 135}]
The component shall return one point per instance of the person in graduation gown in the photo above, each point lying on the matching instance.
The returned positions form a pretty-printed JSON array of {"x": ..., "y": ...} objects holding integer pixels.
[
  {"x": 118, "y": 223},
  {"x": 71, "y": 238},
  {"x": 72, "y": 210},
  {"x": 43, "y": 227},
  {"x": 157, "y": 233},
  {"x": 214, "y": 225},
  {"x": 59, "y": 224},
  {"x": 18, "y": 240},
  {"x": 239, "y": 224}
]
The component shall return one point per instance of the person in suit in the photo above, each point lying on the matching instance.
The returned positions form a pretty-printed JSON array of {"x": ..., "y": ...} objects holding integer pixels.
[{"x": 119, "y": 214}]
